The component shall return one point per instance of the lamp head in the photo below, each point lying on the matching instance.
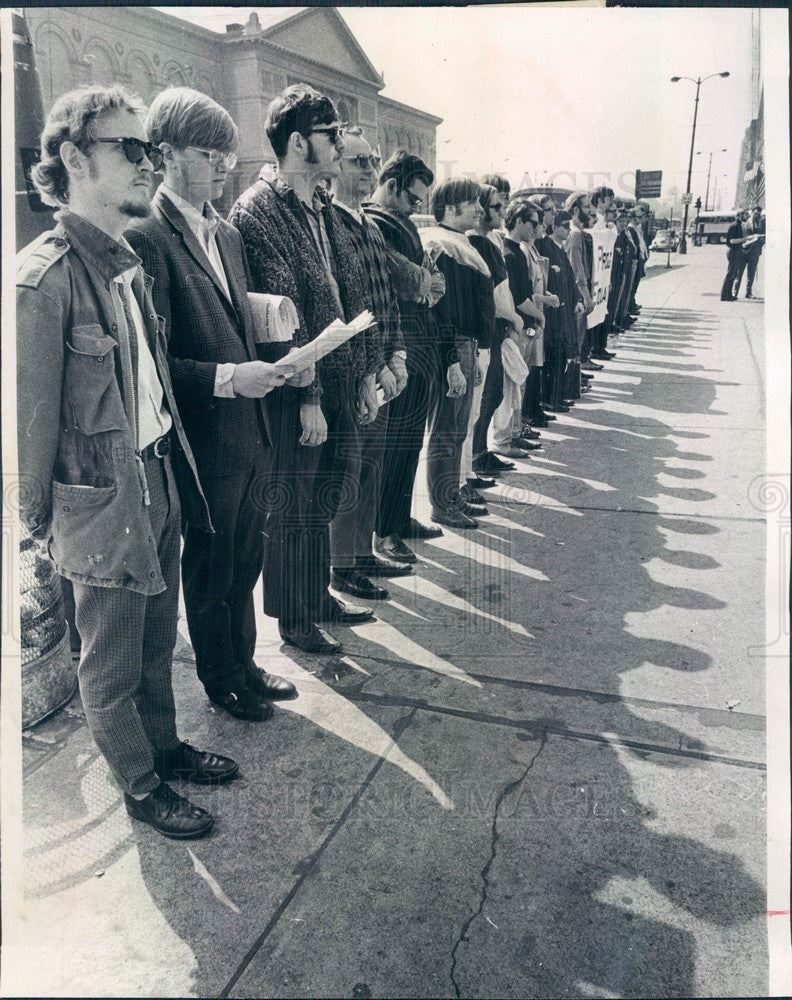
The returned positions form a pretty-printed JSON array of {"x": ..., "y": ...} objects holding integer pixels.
[
  {"x": 675, "y": 79},
  {"x": 726, "y": 73}
]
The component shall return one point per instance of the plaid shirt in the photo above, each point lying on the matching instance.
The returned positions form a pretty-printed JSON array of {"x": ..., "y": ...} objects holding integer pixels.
[{"x": 373, "y": 253}]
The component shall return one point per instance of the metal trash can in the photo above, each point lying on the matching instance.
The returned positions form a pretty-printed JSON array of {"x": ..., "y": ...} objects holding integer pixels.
[{"x": 49, "y": 675}]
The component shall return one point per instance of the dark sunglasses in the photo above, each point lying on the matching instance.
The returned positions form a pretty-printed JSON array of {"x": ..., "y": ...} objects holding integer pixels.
[
  {"x": 333, "y": 132},
  {"x": 136, "y": 149},
  {"x": 364, "y": 161},
  {"x": 414, "y": 199}
]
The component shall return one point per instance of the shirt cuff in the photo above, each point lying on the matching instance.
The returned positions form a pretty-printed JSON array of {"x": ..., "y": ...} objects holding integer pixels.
[{"x": 224, "y": 384}]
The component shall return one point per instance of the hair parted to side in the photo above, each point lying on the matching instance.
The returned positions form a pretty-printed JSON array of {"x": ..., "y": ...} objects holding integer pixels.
[
  {"x": 520, "y": 211},
  {"x": 600, "y": 194},
  {"x": 185, "y": 117},
  {"x": 297, "y": 109},
  {"x": 453, "y": 191},
  {"x": 71, "y": 119},
  {"x": 489, "y": 193},
  {"x": 499, "y": 182},
  {"x": 405, "y": 168}
]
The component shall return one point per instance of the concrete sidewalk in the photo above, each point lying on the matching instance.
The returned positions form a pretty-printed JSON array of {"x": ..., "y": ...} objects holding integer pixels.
[{"x": 539, "y": 773}]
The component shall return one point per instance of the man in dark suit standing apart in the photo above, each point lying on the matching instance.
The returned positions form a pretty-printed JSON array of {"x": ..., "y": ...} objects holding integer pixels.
[
  {"x": 751, "y": 251},
  {"x": 200, "y": 286},
  {"x": 735, "y": 238}
]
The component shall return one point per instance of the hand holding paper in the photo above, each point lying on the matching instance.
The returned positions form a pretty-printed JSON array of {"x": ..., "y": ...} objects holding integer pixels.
[{"x": 333, "y": 336}]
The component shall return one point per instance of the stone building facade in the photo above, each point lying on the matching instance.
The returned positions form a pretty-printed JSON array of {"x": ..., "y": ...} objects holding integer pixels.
[{"x": 242, "y": 66}]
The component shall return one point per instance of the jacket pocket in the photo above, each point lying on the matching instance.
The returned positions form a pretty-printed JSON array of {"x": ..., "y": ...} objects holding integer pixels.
[
  {"x": 84, "y": 529},
  {"x": 90, "y": 380}
]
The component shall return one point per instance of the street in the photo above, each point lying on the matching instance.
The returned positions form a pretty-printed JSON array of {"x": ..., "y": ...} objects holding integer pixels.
[{"x": 539, "y": 773}]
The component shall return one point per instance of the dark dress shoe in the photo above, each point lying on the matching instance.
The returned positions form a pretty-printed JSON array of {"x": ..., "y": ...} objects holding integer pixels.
[
  {"x": 603, "y": 355},
  {"x": 314, "y": 640},
  {"x": 188, "y": 764},
  {"x": 545, "y": 421},
  {"x": 169, "y": 813},
  {"x": 529, "y": 433},
  {"x": 377, "y": 566},
  {"x": 749, "y": 295},
  {"x": 473, "y": 510},
  {"x": 490, "y": 465},
  {"x": 727, "y": 298},
  {"x": 270, "y": 686},
  {"x": 421, "y": 531},
  {"x": 469, "y": 494},
  {"x": 525, "y": 444},
  {"x": 480, "y": 484},
  {"x": 591, "y": 366},
  {"x": 394, "y": 548},
  {"x": 352, "y": 581},
  {"x": 453, "y": 518},
  {"x": 243, "y": 704},
  {"x": 341, "y": 613},
  {"x": 560, "y": 409}
]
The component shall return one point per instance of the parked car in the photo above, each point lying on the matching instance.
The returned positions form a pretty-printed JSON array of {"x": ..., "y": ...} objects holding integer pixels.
[{"x": 665, "y": 240}]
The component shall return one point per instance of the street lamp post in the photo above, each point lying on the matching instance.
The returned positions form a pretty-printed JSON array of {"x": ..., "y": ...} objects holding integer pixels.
[
  {"x": 698, "y": 82},
  {"x": 709, "y": 172}
]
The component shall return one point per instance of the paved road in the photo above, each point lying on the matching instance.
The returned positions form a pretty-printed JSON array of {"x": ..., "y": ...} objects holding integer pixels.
[{"x": 540, "y": 773}]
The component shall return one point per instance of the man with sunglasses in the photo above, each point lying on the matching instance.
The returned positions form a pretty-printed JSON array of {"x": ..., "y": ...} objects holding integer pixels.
[
  {"x": 296, "y": 246},
  {"x": 200, "y": 286},
  {"x": 352, "y": 530},
  {"x": 98, "y": 433}
]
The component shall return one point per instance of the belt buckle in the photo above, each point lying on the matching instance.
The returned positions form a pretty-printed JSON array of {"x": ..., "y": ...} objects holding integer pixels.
[{"x": 161, "y": 447}]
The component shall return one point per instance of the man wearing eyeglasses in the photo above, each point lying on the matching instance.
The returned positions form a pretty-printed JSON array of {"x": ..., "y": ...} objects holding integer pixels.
[
  {"x": 200, "y": 286},
  {"x": 98, "y": 431},
  {"x": 296, "y": 246},
  {"x": 352, "y": 530},
  {"x": 402, "y": 186}
]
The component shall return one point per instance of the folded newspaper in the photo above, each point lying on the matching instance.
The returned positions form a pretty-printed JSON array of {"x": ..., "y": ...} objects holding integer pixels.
[
  {"x": 274, "y": 318},
  {"x": 328, "y": 340}
]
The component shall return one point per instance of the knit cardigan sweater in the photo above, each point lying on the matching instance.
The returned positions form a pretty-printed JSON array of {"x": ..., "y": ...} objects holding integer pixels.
[{"x": 284, "y": 260}]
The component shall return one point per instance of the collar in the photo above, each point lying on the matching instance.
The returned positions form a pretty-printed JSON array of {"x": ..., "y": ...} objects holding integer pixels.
[
  {"x": 355, "y": 213},
  {"x": 206, "y": 221},
  {"x": 108, "y": 256}
]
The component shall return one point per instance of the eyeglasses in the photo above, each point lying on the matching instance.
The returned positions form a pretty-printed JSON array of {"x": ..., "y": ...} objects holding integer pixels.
[
  {"x": 364, "y": 161},
  {"x": 136, "y": 149},
  {"x": 496, "y": 207},
  {"x": 333, "y": 132},
  {"x": 215, "y": 157},
  {"x": 414, "y": 199}
]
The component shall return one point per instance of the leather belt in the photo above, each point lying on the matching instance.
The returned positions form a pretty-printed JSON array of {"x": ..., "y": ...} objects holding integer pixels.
[{"x": 157, "y": 449}]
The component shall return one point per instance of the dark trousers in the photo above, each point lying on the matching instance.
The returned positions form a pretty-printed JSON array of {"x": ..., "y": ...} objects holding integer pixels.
[
  {"x": 338, "y": 476},
  {"x": 220, "y": 572},
  {"x": 733, "y": 273},
  {"x": 404, "y": 439},
  {"x": 572, "y": 381},
  {"x": 640, "y": 271},
  {"x": 352, "y": 528},
  {"x": 295, "y": 539},
  {"x": 598, "y": 337},
  {"x": 127, "y": 648},
  {"x": 751, "y": 262},
  {"x": 553, "y": 373},
  {"x": 448, "y": 428},
  {"x": 532, "y": 396},
  {"x": 492, "y": 396}
]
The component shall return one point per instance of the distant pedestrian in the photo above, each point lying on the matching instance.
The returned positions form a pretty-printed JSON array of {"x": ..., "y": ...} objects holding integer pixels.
[
  {"x": 751, "y": 251},
  {"x": 735, "y": 238}
]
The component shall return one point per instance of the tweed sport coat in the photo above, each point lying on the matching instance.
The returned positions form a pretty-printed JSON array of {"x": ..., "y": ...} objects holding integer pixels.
[{"x": 204, "y": 328}]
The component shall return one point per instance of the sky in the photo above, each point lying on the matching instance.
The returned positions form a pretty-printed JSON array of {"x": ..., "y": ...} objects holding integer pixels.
[{"x": 540, "y": 91}]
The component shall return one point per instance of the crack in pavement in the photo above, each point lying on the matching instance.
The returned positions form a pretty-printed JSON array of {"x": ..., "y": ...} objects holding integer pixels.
[{"x": 507, "y": 790}]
